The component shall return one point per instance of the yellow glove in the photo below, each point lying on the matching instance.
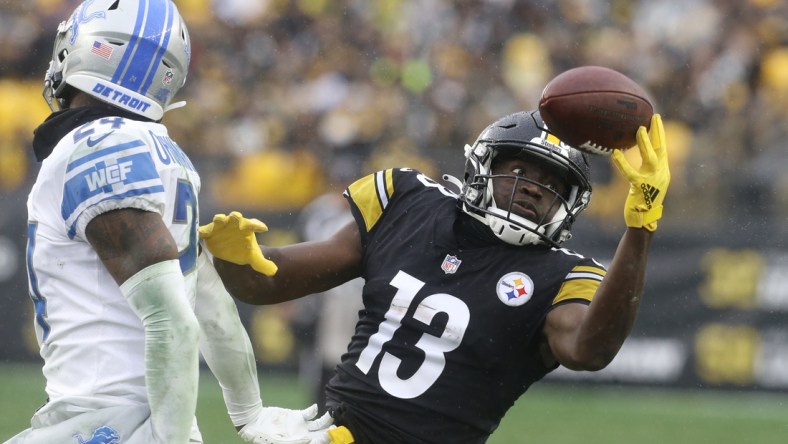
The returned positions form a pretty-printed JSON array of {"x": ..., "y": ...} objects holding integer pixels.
[
  {"x": 648, "y": 186},
  {"x": 341, "y": 435},
  {"x": 232, "y": 238}
]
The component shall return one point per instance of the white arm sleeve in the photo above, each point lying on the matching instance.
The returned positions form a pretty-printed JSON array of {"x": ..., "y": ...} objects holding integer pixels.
[
  {"x": 226, "y": 345},
  {"x": 157, "y": 294}
]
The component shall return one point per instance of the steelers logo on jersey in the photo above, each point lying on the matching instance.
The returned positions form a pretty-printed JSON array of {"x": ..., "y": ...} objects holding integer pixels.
[{"x": 515, "y": 289}]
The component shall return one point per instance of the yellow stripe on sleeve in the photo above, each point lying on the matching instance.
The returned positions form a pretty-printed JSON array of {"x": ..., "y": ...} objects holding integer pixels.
[
  {"x": 580, "y": 283},
  {"x": 371, "y": 195}
]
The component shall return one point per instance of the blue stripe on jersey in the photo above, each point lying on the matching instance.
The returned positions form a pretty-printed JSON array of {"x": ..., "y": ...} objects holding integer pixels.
[
  {"x": 104, "y": 153},
  {"x": 154, "y": 16},
  {"x": 72, "y": 230},
  {"x": 39, "y": 301},
  {"x": 113, "y": 179}
]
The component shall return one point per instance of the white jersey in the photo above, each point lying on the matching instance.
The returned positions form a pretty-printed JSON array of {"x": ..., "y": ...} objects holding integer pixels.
[{"x": 92, "y": 343}]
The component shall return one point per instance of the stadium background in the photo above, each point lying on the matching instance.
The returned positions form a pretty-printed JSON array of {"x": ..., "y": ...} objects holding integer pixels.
[{"x": 289, "y": 99}]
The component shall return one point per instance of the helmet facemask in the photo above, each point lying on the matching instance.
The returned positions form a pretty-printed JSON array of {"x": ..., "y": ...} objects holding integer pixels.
[
  {"x": 479, "y": 185},
  {"x": 518, "y": 230}
]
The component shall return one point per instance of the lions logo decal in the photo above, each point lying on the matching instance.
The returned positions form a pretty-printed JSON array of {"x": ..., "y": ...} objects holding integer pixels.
[{"x": 102, "y": 435}]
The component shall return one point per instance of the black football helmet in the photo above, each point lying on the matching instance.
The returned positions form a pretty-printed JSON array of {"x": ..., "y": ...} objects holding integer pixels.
[{"x": 524, "y": 134}]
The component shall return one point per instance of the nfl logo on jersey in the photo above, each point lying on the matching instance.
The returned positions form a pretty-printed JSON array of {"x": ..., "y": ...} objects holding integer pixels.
[{"x": 450, "y": 264}]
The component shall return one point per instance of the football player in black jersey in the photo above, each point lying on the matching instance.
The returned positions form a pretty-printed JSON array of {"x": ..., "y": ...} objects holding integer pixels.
[{"x": 468, "y": 298}]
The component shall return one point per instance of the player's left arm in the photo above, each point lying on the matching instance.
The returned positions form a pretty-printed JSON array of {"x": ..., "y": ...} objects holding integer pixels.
[
  {"x": 589, "y": 337},
  {"x": 227, "y": 350},
  {"x": 225, "y": 345}
]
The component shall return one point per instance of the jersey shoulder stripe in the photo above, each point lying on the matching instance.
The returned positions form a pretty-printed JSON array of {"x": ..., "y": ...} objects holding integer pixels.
[
  {"x": 371, "y": 195},
  {"x": 104, "y": 152},
  {"x": 587, "y": 271},
  {"x": 104, "y": 168},
  {"x": 581, "y": 282},
  {"x": 111, "y": 173}
]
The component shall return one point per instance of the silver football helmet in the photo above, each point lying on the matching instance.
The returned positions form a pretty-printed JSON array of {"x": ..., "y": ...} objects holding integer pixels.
[
  {"x": 133, "y": 54},
  {"x": 525, "y": 134}
]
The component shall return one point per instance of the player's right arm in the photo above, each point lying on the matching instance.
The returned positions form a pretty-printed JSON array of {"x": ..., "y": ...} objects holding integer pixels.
[
  {"x": 302, "y": 269},
  {"x": 139, "y": 252}
]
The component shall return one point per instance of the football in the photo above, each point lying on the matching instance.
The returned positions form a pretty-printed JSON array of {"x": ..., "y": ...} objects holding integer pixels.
[{"x": 595, "y": 109}]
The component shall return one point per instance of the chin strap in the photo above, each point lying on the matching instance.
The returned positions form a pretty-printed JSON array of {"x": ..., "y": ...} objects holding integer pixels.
[{"x": 513, "y": 229}]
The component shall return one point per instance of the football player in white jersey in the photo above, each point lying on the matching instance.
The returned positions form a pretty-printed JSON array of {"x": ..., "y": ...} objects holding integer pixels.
[{"x": 124, "y": 300}]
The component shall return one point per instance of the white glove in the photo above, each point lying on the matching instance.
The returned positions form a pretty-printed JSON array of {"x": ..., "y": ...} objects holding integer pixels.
[{"x": 276, "y": 425}]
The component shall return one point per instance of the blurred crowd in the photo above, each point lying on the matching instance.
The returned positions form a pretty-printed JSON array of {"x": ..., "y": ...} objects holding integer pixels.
[{"x": 288, "y": 99}]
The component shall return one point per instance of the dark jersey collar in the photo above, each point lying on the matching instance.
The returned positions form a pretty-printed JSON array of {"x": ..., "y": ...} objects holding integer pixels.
[
  {"x": 472, "y": 233},
  {"x": 60, "y": 123}
]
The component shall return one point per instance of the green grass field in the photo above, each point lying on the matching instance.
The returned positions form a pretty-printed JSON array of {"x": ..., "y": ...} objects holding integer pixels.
[{"x": 546, "y": 414}]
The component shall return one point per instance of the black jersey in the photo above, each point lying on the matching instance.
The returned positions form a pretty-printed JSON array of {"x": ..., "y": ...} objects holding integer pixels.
[{"x": 452, "y": 322}]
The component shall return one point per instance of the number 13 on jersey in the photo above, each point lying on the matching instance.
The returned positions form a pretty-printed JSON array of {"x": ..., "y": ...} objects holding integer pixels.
[{"x": 434, "y": 347}]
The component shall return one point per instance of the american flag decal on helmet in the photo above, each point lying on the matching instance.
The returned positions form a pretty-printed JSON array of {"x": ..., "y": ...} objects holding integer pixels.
[
  {"x": 450, "y": 264},
  {"x": 102, "y": 50}
]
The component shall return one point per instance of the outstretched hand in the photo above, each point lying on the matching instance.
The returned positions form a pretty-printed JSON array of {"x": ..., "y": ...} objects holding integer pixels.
[
  {"x": 275, "y": 425},
  {"x": 232, "y": 238},
  {"x": 648, "y": 185}
]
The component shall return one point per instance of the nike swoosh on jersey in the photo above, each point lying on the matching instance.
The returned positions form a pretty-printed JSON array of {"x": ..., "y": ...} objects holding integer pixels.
[{"x": 92, "y": 143}]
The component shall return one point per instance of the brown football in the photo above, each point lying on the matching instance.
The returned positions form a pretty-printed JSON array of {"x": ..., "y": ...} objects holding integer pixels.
[{"x": 595, "y": 109}]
